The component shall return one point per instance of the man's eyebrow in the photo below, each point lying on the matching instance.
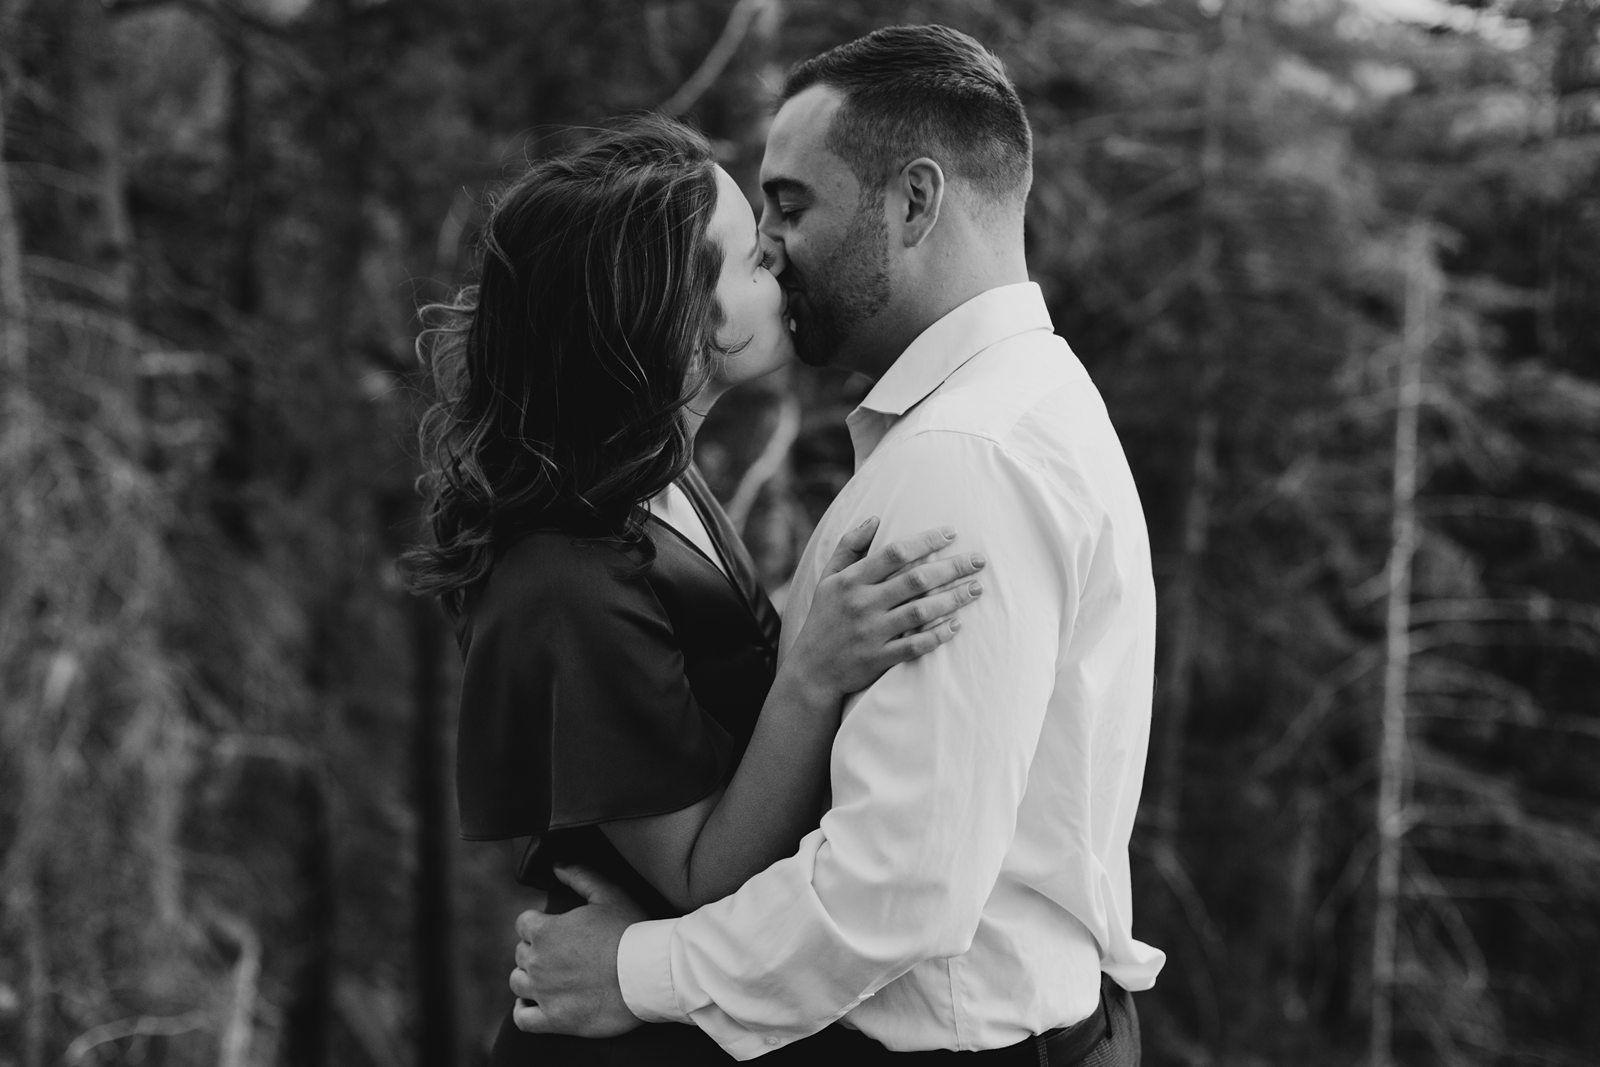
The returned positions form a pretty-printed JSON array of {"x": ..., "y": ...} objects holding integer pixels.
[{"x": 778, "y": 186}]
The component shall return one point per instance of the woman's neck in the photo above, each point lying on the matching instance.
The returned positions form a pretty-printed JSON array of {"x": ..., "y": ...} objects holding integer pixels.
[{"x": 696, "y": 410}]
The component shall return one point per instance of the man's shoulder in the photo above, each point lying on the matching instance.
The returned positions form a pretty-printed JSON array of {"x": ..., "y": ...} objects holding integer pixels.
[
  {"x": 1010, "y": 391},
  {"x": 1026, "y": 406}
]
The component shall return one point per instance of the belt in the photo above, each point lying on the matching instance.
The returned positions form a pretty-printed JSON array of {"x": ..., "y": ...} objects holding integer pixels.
[
  {"x": 1066, "y": 1045},
  {"x": 1061, "y": 1047}
]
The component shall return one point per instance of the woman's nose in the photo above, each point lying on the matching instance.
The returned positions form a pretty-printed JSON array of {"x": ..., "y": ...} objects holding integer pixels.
[{"x": 774, "y": 254}]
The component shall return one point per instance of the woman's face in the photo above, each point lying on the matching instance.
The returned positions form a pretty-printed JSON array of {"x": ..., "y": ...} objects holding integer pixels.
[{"x": 752, "y": 302}]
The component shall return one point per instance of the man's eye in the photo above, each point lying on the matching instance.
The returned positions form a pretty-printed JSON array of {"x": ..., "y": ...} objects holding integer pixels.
[{"x": 787, "y": 212}]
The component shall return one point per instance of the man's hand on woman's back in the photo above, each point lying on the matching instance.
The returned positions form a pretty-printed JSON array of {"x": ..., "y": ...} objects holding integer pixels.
[{"x": 566, "y": 974}]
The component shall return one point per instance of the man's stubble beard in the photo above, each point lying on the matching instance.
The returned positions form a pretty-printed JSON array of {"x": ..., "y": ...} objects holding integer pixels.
[{"x": 847, "y": 289}]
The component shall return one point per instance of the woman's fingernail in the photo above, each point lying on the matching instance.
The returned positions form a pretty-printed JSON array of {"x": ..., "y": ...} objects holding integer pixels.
[
  {"x": 868, "y": 521},
  {"x": 955, "y": 624},
  {"x": 978, "y": 563},
  {"x": 976, "y": 588},
  {"x": 949, "y": 533}
]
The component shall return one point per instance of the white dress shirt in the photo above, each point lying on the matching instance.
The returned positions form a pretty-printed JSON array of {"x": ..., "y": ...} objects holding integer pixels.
[{"x": 969, "y": 883}]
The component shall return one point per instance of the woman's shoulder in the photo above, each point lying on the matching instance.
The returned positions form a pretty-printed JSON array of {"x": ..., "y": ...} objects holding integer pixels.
[
  {"x": 559, "y": 557},
  {"x": 546, "y": 567}
]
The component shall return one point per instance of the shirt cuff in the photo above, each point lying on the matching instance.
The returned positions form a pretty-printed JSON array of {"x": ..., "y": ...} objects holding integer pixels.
[{"x": 644, "y": 971}]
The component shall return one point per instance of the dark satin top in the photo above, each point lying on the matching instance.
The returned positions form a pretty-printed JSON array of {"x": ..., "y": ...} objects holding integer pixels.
[{"x": 594, "y": 690}]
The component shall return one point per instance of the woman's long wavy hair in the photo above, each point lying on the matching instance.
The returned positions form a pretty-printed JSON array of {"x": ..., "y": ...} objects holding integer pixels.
[{"x": 561, "y": 377}]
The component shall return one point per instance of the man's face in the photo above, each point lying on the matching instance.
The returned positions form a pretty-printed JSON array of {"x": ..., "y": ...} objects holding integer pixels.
[{"x": 832, "y": 242}]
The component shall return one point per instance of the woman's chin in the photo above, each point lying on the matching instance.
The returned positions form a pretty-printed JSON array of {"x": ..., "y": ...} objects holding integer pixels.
[{"x": 750, "y": 366}]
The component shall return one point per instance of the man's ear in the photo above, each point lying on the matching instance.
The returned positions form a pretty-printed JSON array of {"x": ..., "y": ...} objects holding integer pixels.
[{"x": 921, "y": 184}]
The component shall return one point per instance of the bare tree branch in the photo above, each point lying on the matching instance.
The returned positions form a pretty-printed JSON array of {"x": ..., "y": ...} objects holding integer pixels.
[
  {"x": 740, "y": 19},
  {"x": 1395, "y": 757},
  {"x": 134, "y": 1026},
  {"x": 218, "y": 11},
  {"x": 767, "y": 465},
  {"x": 234, "y": 1048}
]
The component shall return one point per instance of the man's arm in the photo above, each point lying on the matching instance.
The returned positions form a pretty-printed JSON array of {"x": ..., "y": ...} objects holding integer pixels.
[
  {"x": 856, "y": 631},
  {"x": 927, "y": 773}
]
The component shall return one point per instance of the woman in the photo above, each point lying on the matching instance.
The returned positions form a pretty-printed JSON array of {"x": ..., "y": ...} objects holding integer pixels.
[{"x": 621, "y": 701}]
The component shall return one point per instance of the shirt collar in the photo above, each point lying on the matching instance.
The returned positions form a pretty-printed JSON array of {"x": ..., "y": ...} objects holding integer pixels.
[
  {"x": 938, "y": 352},
  {"x": 987, "y": 319}
]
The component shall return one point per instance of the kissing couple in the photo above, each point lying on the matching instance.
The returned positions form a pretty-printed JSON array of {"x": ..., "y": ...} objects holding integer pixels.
[{"x": 894, "y": 827}]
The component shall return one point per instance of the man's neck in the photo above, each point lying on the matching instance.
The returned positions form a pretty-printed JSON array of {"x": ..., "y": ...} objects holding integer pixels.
[{"x": 927, "y": 306}]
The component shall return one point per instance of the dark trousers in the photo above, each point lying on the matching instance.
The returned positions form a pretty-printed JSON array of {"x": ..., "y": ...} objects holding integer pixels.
[{"x": 1108, "y": 1038}]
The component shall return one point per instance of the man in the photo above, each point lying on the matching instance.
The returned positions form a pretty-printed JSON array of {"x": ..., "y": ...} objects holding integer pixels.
[{"x": 968, "y": 888}]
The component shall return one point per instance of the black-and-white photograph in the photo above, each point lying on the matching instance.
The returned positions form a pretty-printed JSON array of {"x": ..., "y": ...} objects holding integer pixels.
[{"x": 550, "y": 533}]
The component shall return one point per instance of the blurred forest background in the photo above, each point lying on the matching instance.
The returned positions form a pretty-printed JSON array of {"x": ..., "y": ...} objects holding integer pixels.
[{"x": 1336, "y": 271}]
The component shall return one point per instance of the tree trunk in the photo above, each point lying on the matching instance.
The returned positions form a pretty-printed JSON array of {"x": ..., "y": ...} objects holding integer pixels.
[
  {"x": 244, "y": 280},
  {"x": 1182, "y": 611},
  {"x": 1393, "y": 757},
  {"x": 337, "y": 136},
  {"x": 18, "y": 870},
  {"x": 101, "y": 232},
  {"x": 1569, "y": 239},
  {"x": 433, "y": 939},
  {"x": 307, "y": 1015},
  {"x": 13, "y": 299},
  {"x": 238, "y": 459},
  {"x": 1180, "y": 606},
  {"x": 1300, "y": 893},
  {"x": 92, "y": 99}
]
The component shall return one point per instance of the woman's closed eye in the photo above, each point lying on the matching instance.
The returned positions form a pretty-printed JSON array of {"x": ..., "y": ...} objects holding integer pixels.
[{"x": 768, "y": 258}]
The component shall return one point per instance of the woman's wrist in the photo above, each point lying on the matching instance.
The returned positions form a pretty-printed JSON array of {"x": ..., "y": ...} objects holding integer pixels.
[{"x": 809, "y": 691}]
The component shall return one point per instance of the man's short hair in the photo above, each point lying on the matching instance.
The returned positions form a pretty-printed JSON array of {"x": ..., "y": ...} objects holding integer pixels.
[{"x": 911, "y": 91}]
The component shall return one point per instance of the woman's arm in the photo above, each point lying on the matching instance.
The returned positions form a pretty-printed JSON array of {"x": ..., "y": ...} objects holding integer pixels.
[{"x": 868, "y": 615}]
